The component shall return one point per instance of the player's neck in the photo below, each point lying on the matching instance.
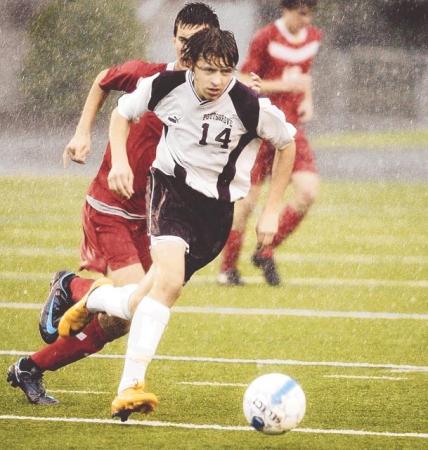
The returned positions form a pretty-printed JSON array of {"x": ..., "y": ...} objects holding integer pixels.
[{"x": 293, "y": 35}]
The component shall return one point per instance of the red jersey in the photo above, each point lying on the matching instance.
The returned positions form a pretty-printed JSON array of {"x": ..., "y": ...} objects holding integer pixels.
[
  {"x": 141, "y": 145},
  {"x": 273, "y": 50}
]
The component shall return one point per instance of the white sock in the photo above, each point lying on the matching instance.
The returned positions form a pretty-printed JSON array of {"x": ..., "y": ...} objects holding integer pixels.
[
  {"x": 112, "y": 300},
  {"x": 148, "y": 325}
]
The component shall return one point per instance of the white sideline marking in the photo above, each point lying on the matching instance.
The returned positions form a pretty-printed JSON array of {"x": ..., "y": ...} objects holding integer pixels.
[
  {"x": 212, "y": 383},
  {"x": 322, "y": 282},
  {"x": 366, "y": 377},
  {"x": 194, "y": 426},
  {"x": 202, "y": 279},
  {"x": 65, "y": 391},
  {"x": 349, "y": 259},
  {"x": 317, "y": 258},
  {"x": 268, "y": 362},
  {"x": 261, "y": 312},
  {"x": 297, "y": 312}
]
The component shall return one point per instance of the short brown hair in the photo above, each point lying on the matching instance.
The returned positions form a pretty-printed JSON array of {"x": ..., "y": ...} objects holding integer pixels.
[
  {"x": 211, "y": 43},
  {"x": 294, "y": 4}
]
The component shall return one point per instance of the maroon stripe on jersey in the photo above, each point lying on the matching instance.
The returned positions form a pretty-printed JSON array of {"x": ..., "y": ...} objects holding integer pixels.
[
  {"x": 246, "y": 104},
  {"x": 229, "y": 170},
  {"x": 165, "y": 83}
]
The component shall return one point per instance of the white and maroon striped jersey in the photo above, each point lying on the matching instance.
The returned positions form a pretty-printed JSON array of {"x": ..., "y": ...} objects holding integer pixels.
[{"x": 211, "y": 145}]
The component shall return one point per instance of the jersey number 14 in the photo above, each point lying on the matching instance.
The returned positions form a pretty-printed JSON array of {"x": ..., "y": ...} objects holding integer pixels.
[{"x": 223, "y": 137}]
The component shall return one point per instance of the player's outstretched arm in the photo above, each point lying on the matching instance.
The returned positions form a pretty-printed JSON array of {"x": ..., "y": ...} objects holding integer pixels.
[
  {"x": 292, "y": 81},
  {"x": 120, "y": 177},
  {"x": 267, "y": 225},
  {"x": 78, "y": 148}
]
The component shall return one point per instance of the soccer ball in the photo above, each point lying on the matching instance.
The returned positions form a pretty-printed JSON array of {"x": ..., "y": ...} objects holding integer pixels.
[{"x": 274, "y": 403}]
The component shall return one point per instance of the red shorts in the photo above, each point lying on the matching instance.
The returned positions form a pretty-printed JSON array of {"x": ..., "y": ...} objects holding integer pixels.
[
  {"x": 305, "y": 159},
  {"x": 112, "y": 241}
]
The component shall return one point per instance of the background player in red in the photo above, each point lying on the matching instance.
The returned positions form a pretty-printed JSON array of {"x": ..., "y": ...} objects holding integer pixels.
[
  {"x": 281, "y": 54},
  {"x": 115, "y": 235}
]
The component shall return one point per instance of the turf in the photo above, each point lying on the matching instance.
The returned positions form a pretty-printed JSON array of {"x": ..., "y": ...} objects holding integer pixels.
[{"x": 362, "y": 248}]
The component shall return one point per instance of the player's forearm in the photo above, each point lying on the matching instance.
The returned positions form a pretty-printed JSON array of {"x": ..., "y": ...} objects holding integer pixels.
[
  {"x": 118, "y": 134},
  {"x": 94, "y": 101},
  {"x": 281, "y": 174},
  {"x": 266, "y": 86}
]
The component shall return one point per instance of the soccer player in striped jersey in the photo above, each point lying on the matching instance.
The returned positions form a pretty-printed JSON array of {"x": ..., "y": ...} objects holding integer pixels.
[
  {"x": 213, "y": 125},
  {"x": 282, "y": 54}
]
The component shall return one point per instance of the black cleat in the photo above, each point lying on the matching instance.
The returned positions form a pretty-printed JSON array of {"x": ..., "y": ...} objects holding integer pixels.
[
  {"x": 30, "y": 382},
  {"x": 57, "y": 303},
  {"x": 268, "y": 266},
  {"x": 231, "y": 277}
]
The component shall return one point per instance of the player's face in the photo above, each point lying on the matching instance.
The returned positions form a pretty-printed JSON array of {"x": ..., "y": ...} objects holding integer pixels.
[
  {"x": 298, "y": 18},
  {"x": 184, "y": 33},
  {"x": 211, "y": 78}
]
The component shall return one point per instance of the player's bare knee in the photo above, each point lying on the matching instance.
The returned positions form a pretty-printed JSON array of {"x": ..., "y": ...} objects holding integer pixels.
[{"x": 113, "y": 327}]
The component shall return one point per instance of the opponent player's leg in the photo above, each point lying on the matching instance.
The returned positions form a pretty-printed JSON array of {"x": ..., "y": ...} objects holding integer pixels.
[
  {"x": 305, "y": 183},
  {"x": 66, "y": 290},
  {"x": 229, "y": 274},
  {"x": 306, "y": 189}
]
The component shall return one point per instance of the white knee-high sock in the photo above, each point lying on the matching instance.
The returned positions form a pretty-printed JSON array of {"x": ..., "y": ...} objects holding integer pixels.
[
  {"x": 148, "y": 325},
  {"x": 112, "y": 300}
]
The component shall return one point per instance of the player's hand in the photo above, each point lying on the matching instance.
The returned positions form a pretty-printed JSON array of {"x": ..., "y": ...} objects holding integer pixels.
[
  {"x": 121, "y": 179},
  {"x": 306, "y": 110},
  {"x": 255, "y": 83},
  {"x": 296, "y": 81},
  {"x": 266, "y": 228},
  {"x": 77, "y": 149}
]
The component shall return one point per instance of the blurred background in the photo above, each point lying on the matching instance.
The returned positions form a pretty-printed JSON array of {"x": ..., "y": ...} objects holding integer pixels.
[{"x": 370, "y": 78}]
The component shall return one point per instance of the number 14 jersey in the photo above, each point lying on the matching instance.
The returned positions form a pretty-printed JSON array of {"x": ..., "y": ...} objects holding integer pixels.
[{"x": 211, "y": 145}]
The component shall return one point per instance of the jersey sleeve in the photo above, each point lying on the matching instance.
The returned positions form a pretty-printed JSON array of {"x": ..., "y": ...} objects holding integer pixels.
[
  {"x": 132, "y": 106},
  {"x": 124, "y": 77},
  {"x": 272, "y": 125},
  {"x": 255, "y": 60}
]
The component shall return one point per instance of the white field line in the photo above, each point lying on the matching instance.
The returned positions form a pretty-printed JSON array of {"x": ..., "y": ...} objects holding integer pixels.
[
  {"x": 373, "y": 240},
  {"x": 315, "y": 258},
  {"x": 65, "y": 391},
  {"x": 261, "y": 362},
  {"x": 212, "y": 383},
  {"x": 203, "y": 279},
  {"x": 352, "y": 377},
  {"x": 322, "y": 282},
  {"x": 262, "y": 312},
  {"x": 193, "y": 426},
  {"x": 366, "y": 377}
]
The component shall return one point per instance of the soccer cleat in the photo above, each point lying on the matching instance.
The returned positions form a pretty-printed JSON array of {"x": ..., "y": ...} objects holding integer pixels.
[
  {"x": 78, "y": 316},
  {"x": 58, "y": 301},
  {"x": 131, "y": 400},
  {"x": 268, "y": 266},
  {"x": 230, "y": 277},
  {"x": 30, "y": 382}
]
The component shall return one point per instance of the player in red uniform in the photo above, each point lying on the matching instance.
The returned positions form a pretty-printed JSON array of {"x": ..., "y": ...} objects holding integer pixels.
[
  {"x": 115, "y": 235},
  {"x": 281, "y": 54}
]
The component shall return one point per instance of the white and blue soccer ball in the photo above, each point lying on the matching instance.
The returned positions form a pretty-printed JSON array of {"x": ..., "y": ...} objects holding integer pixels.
[{"x": 274, "y": 403}]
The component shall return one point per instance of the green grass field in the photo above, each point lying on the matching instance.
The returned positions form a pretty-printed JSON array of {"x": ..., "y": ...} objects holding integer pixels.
[{"x": 349, "y": 323}]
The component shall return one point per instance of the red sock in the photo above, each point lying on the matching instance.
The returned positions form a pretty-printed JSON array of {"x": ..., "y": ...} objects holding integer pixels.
[
  {"x": 288, "y": 222},
  {"x": 232, "y": 249},
  {"x": 79, "y": 287},
  {"x": 65, "y": 351},
  {"x": 266, "y": 252}
]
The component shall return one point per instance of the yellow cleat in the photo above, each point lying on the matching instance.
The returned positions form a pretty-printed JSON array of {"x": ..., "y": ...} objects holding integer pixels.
[
  {"x": 131, "y": 400},
  {"x": 78, "y": 316}
]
